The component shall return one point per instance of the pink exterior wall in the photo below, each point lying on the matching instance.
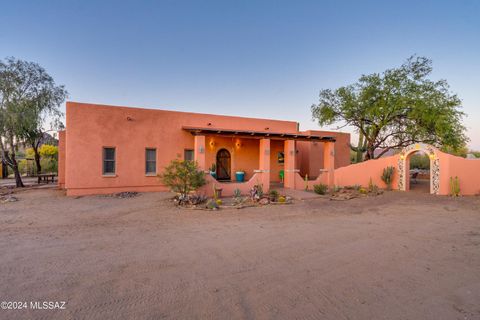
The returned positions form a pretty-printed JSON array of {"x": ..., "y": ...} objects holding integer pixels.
[
  {"x": 310, "y": 154},
  {"x": 91, "y": 127},
  {"x": 360, "y": 173},
  {"x": 61, "y": 158},
  {"x": 467, "y": 171},
  {"x": 243, "y": 153}
]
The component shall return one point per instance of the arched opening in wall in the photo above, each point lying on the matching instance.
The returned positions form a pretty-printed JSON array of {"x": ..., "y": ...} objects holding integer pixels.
[
  {"x": 419, "y": 178},
  {"x": 224, "y": 161}
]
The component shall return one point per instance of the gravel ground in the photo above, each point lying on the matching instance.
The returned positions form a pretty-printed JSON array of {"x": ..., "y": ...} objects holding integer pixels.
[{"x": 396, "y": 256}]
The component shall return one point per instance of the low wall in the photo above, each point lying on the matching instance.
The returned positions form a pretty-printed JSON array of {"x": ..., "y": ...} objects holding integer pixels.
[
  {"x": 229, "y": 187},
  {"x": 301, "y": 184},
  {"x": 467, "y": 171},
  {"x": 361, "y": 173}
]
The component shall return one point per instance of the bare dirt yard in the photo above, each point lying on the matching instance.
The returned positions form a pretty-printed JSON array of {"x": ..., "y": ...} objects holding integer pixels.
[{"x": 395, "y": 256}]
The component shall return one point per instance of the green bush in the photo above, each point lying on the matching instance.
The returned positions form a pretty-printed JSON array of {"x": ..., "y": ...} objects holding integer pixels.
[
  {"x": 419, "y": 161},
  {"x": 320, "y": 188},
  {"x": 183, "y": 176},
  {"x": 273, "y": 195}
]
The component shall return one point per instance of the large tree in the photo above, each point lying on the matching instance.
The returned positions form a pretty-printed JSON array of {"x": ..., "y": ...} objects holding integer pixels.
[
  {"x": 29, "y": 97},
  {"x": 396, "y": 108}
]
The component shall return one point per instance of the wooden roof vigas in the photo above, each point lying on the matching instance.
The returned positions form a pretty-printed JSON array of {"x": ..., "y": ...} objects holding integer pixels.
[{"x": 257, "y": 134}]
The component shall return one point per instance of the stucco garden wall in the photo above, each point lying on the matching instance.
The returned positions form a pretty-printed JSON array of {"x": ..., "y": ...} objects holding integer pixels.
[
  {"x": 361, "y": 173},
  {"x": 467, "y": 171}
]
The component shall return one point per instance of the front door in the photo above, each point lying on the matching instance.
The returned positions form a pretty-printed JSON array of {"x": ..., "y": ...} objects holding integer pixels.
[{"x": 223, "y": 165}]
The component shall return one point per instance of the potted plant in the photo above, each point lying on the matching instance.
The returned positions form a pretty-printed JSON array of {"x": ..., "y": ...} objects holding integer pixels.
[
  {"x": 213, "y": 170},
  {"x": 240, "y": 175}
]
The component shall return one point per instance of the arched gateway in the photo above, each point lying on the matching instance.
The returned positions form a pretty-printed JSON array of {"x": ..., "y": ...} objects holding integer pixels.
[{"x": 404, "y": 166}]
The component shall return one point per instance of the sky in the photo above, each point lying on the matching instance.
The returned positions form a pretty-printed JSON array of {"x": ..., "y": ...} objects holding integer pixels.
[{"x": 266, "y": 59}]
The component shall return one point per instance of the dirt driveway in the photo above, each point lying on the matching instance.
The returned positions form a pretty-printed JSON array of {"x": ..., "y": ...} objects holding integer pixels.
[{"x": 397, "y": 256}]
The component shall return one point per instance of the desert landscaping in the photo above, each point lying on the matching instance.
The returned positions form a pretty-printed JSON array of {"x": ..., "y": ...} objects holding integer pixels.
[{"x": 399, "y": 255}]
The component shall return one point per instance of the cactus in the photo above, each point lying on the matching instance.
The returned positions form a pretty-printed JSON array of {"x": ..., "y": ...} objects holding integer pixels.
[
  {"x": 387, "y": 176},
  {"x": 454, "y": 187}
]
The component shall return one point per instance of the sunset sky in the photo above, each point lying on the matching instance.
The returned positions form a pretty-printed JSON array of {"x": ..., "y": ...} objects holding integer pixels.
[{"x": 264, "y": 59}]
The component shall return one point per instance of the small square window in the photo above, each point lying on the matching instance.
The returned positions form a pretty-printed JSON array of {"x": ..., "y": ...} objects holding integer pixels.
[
  {"x": 151, "y": 161},
  {"x": 188, "y": 155},
  {"x": 108, "y": 161},
  {"x": 281, "y": 157}
]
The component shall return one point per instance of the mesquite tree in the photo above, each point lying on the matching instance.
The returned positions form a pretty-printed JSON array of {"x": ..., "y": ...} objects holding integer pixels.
[
  {"x": 396, "y": 108},
  {"x": 28, "y": 98}
]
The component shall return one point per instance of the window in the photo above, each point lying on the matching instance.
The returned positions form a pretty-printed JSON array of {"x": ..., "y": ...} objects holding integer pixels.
[
  {"x": 188, "y": 154},
  {"x": 108, "y": 161},
  {"x": 151, "y": 161},
  {"x": 281, "y": 158}
]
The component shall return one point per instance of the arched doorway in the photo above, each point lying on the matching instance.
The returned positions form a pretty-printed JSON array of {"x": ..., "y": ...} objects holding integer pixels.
[
  {"x": 223, "y": 164},
  {"x": 404, "y": 166},
  {"x": 418, "y": 166}
]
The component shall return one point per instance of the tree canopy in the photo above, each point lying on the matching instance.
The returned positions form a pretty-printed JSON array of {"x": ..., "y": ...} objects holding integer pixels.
[
  {"x": 28, "y": 97},
  {"x": 396, "y": 108}
]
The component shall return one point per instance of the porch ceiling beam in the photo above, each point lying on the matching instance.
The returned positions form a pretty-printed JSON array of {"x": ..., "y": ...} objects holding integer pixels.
[{"x": 258, "y": 134}]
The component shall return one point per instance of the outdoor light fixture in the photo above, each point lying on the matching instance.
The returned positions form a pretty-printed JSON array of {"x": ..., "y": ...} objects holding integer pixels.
[
  {"x": 402, "y": 157},
  {"x": 432, "y": 156},
  {"x": 212, "y": 143}
]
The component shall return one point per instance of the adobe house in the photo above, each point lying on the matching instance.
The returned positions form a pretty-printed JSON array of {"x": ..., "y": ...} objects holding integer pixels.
[{"x": 108, "y": 149}]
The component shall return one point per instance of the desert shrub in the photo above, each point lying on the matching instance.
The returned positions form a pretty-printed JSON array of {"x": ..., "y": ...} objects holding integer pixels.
[
  {"x": 363, "y": 191},
  {"x": 237, "y": 193},
  {"x": 320, "y": 188},
  {"x": 454, "y": 187},
  {"x": 372, "y": 187},
  {"x": 182, "y": 176},
  {"x": 387, "y": 176},
  {"x": 282, "y": 199},
  {"x": 273, "y": 195},
  {"x": 196, "y": 199},
  {"x": 219, "y": 202},
  {"x": 256, "y": 193},
  {"x": 212, "y": 204},
  {"x": 336, "y": 188}
]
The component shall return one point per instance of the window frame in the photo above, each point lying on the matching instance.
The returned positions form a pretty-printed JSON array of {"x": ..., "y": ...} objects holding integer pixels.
[
  {"x": 104, "y": 160},
  {"x": 185, "y": 153},
  {"x": 147, "y": 173}
]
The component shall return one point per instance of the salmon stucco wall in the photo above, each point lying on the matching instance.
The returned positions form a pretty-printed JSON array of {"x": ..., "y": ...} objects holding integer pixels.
[
  {"x": 467, "y": 171},
  {"x": 91, "y": 127},
  {"x": 243, "y": 153},
  {"x": 361, "y": 173},
  {"x": 310, "y": 154},
  {"x": 61, "y": 158}
]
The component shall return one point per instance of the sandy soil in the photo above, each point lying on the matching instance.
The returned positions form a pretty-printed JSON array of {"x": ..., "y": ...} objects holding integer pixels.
[{"x": 396, "y": 256}]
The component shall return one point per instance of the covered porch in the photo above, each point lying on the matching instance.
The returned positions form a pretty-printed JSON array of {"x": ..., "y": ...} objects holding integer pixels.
[{"x": 262, "y": 155}]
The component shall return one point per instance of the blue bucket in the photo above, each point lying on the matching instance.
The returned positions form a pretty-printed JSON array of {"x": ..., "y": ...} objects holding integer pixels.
[{"x": 240, "y": 176}]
